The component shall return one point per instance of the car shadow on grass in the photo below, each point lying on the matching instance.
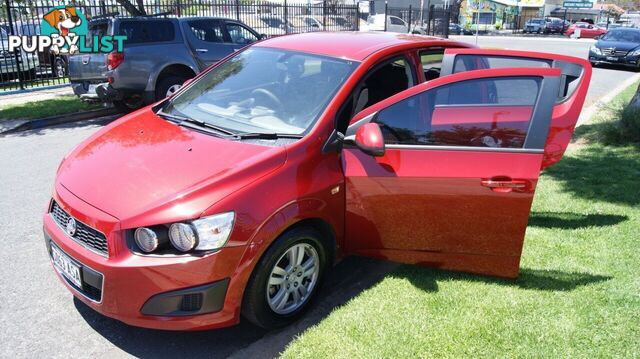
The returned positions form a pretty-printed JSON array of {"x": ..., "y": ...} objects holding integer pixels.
[
  {"x": 529, "y": 279},
  {"x": 567, "y": 220},
  {"x": 348, "y": 279},
  {"x": 601, "y": 173}
]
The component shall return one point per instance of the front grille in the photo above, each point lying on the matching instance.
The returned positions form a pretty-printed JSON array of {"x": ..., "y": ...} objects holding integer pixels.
[
  {"x": 191, "y": 302},
  {"x": 85, "y": 235},
  {"x": 614, "y": 52}
]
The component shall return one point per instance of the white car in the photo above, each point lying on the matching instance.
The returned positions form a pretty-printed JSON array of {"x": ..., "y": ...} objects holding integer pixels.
[
  {"x": 394, "y": 24},
  {"x": 9, "y": 69}
]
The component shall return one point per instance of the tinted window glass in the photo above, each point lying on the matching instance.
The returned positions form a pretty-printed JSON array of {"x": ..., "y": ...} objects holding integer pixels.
[
  {"x": 480, "y": 62},
  {"x": 98, "y": 29},
  {"x": 240, "y": 34},
  {"x": 147, "y": 31},
  {"x": 476, "y": 113},
  {"x": 383, "y": 82},
  {"x": 206, "y": 30},
  {"x": 396, "y": 21}
]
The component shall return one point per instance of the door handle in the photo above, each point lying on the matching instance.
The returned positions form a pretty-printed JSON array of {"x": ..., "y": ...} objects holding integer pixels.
[
  {"x": 504, "y": 185},
  {"x": 202, "y": 50}
]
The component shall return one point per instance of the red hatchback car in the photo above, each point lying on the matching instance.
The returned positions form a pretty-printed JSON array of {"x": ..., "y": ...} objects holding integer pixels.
[
  {"x": 585, "y": 30},
  {"x": 237, "y": 194}
]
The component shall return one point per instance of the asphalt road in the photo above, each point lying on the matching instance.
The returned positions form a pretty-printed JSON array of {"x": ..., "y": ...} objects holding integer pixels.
[{"x": 38, "y": 316}]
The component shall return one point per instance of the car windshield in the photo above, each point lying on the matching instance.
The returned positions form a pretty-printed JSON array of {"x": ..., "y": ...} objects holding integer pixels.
[
  {"x": 622, "y": 35},
  {"x": 263, "y": 90},
  {"x": 536, "y": 21}
]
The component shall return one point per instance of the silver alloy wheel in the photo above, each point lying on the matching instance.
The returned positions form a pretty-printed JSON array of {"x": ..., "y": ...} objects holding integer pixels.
[
  {"x": 293, "y": 278},
  {"x": 173, "y": 89}
]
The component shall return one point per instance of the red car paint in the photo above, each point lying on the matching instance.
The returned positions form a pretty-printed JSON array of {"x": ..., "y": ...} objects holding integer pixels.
[
  {"x": 586, "y": 30},
  {"x": 455, "y": 209}
]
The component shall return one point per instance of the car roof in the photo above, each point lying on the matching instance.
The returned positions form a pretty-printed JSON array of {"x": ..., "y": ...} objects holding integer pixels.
[{"x": 351, "y": 45}]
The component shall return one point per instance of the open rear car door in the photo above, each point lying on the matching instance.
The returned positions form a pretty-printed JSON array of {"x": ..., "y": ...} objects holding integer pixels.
[
  {"x": 454, "y": 185},
  {"x": 574, "y": 84}
]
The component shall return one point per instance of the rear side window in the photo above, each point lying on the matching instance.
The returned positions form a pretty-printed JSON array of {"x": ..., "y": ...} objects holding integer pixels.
[
  {"x": 97, "y": 29},
  {"x": 207, "y": 30},
  {"x": 147, "y": 31},
  {"x": 493, "y": 112}
]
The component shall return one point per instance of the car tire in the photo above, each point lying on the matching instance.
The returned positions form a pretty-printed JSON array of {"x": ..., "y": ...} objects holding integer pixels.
[
  {"x": 129, "y": 103},
  {"x": 262, "y": 295},
  {"x": 168, "y": 85}
]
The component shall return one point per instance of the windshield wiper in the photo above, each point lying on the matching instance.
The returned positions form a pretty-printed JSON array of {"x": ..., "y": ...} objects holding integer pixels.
[
  {"x": 193, "y": 123},
  {"x": 264, "y": 136}
]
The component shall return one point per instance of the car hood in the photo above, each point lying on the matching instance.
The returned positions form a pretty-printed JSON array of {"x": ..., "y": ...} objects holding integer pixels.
[
  {"x": 619, "y": 45},
  {"x": 143, "y": 168}
]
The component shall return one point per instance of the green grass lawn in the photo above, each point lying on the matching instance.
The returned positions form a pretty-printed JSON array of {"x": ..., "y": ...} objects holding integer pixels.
[
  {"x": 578, "y": 294},
  {"x": 45, "y": 108}
]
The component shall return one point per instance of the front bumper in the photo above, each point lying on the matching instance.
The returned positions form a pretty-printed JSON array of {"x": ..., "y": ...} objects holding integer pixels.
[
  {"x": 147, "y": 291},
  {"x": 627, "y": 61}
]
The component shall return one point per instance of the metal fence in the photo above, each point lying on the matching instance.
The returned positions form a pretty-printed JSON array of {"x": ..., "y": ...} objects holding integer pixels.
[{"x": 20, "y": 70}]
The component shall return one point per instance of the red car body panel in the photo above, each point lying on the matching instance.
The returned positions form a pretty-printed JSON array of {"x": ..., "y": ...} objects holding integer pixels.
[{"x": 142, "y": 170}]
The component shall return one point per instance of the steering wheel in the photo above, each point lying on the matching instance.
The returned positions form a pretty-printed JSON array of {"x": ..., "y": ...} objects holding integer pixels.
[{"x": 275, "y": 100}]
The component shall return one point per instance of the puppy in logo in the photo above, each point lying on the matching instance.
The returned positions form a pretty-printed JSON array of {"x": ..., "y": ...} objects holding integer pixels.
[{"x": 63, "y": 20}]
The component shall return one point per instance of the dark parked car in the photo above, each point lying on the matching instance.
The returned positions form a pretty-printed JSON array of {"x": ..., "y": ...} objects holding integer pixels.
[
  {"x": 456, "y": 29},
  {"x": 555, "y": 26},
  {"x": 159, "y": 55},
  {"x": 619, "y": 46}
]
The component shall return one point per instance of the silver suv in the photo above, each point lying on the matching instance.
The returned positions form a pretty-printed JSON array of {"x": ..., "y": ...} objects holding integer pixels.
[{"x": 159, "y": 55}]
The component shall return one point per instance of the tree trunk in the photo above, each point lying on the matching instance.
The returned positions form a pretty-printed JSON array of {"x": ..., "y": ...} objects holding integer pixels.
[{"x": 131, "y": 9}]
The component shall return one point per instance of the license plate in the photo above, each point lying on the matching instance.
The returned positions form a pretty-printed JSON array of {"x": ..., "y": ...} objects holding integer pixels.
[
  {"x": 92, "y": 88},
  {"x": 611, "y": 58},
  {"x": 66, "y": 266}
]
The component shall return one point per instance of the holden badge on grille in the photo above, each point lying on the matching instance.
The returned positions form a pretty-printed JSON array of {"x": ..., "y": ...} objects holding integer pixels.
[{"x": 71, "y": 227}]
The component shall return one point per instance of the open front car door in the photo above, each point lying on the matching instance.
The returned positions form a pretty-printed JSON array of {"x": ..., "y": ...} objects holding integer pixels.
[{"x": 452, "y": 187}]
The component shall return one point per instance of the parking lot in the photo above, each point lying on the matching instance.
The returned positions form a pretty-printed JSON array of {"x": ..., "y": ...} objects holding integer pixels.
[{"x": 39, "y": 317}]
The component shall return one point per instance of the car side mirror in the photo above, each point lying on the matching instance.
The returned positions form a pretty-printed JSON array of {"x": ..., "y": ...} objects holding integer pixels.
[
  {"x": 262, "y": 36},
  {"x": 369, "y": 139}
]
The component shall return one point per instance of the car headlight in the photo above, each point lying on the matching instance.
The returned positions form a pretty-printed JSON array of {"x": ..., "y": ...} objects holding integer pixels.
[
  {"x": 207, "y": 233},
  {"x": 146, "y": 239},
  {"x": 595, "y": 50},
  {"x": 635, "y": 52}
]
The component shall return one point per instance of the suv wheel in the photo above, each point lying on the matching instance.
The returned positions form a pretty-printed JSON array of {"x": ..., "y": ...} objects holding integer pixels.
[
  {"x": 167, "y": 86},
  {"x": 286, "y": 279}
]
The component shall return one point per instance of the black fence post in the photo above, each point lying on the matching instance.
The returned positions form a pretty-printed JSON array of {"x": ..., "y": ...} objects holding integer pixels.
[
  {"x": 17, "y": 53},
  {"x": 410, "y": 13},
  {"x": 286, "y": 21},
  {"x": 386, "y": 11},
  {"x": 238, "y": 10},
  {"x": 357, "y": 17},
  {"x": 324, "y": 14}
]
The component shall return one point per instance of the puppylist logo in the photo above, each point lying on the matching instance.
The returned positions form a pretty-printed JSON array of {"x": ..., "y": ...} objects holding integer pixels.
[{"x": 64, "y": 30}]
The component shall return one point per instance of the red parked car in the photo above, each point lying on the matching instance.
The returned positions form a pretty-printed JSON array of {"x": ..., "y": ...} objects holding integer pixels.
[
  {"x": 585, "y": 30},
  {"x": 236, "y": 195}
]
